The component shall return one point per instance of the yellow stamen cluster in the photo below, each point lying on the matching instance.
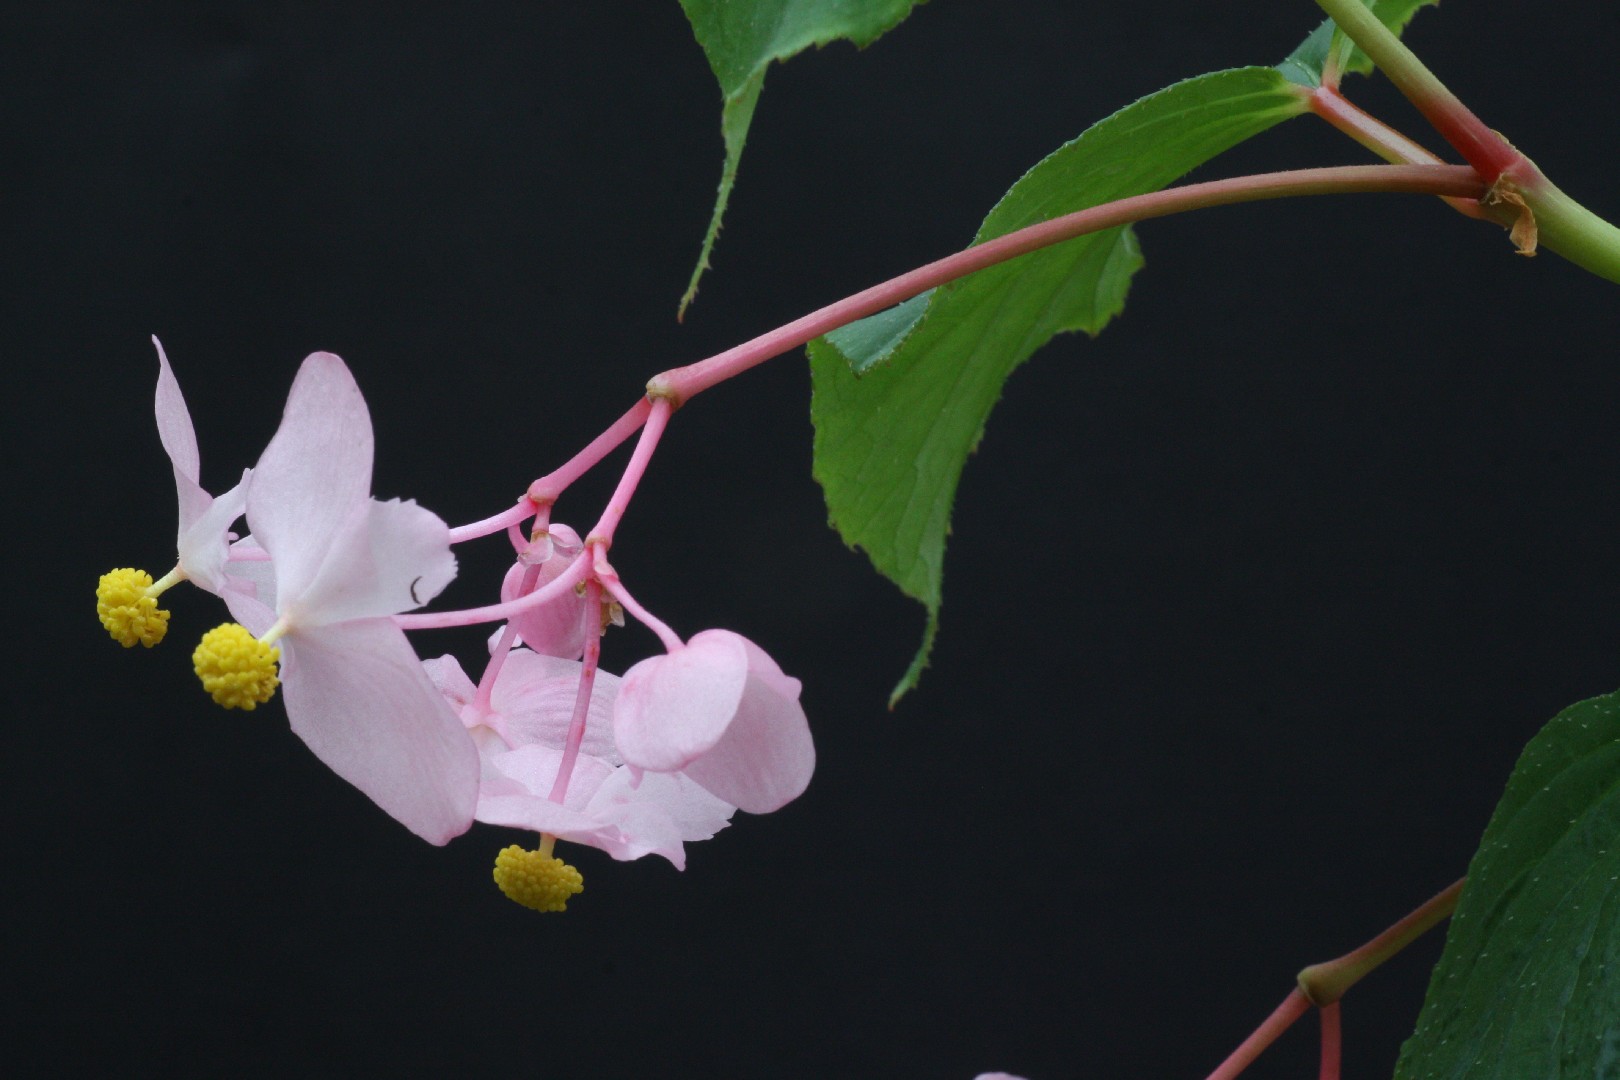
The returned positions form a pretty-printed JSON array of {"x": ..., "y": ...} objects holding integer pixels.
[
  {"x": 237, "y": 670},
  {"x": 536, "y": 880},
  {"x": 127, "y": 612}
]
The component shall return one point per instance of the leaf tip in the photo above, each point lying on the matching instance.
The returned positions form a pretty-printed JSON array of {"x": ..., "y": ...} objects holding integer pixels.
[{"x": 908, "y": 681}]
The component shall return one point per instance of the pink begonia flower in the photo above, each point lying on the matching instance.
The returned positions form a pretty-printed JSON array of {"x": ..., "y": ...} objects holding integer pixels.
[
  {"x": 344, "y": 564},
  {"x": 557, "y": 627},
  {"x": 205, "y": 521},
  {"x": 520, "y": 739},
  {"x": 721, "y": 711}
]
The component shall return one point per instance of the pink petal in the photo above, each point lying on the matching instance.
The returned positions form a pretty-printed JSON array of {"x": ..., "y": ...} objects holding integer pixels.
[
  {"x": 674, "y": 708},
  {"x": 204, "y": 544},
  {"x": 358, "y": 696},
  {"x": 179, "y": 440},
  {"x": 535, "y": 695},
  {"x": 695, "y": 813},
  {"x": 556, "y": 627},
  {"x": 315, "y": 476},
  {"x": 390, "y": 557},
  {"x": 447, "y": 677},
  {"x": 766, "y": 756},
  {"x": 534, "y": 770}
]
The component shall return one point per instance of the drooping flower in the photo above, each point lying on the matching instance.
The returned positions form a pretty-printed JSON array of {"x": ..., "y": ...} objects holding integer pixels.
[
  {"x": 126, "y": 598},
  {"x": 557, "y": 627},
  {"x": 344, "y": 563},
  {"x": 720, "y": 711},
  {"x": 521, "y": 735}
]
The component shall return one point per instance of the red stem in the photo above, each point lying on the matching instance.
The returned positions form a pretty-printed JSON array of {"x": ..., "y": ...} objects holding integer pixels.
[
  {"x": 1331, "y": 1042},
  {"x": 1282, "y": 1018},
  {"x": 680, "y": 384},
  {"x": 1380, "y": 138}
]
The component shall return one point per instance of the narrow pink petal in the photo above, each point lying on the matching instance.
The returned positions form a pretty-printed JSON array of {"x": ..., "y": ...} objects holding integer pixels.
[
  {"x": 766, "y": 756},
  {"x": 204, "y": 544},
  {"x": 674, "y": 708},
  {"x": 179, "y": 440},
  {"x": 389, "y": 557},
  {"x": 358, "y": 696},
  {"x": 315, "y": 476}
]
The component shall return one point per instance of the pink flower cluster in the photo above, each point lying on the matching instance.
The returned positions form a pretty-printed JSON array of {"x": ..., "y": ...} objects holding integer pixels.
[{"x": 544, "y": 740}]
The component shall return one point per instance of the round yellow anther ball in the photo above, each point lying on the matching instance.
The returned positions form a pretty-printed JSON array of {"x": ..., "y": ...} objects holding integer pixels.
[
  {"x": 237, "y": 670},
  {"x": 126, "y": 612},
  {"x": 540, "y": 882}
]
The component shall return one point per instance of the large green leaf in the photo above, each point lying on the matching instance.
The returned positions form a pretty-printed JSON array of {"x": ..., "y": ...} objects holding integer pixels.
[
  {"x": 741, "y": 38},
  {"x": 890, "y": 448},
  {"x": 890, "y": 443},
  {"x": 1528, "y": 987},
  {"x": 1304, "y": 65}
]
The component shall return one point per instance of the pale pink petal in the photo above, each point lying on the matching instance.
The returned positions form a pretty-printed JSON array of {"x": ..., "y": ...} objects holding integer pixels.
[
  {"x": 204, "y": 544},
  {"x": 390, "y": 557},
  {"x": 358, "y": 696},
  {"x": 674, "y": 708},
  {"x": 246, "y": 608},
  {"x": 447, "y": 677},
  {"x": 515, "y": 792},
  {"x": 603, "y": 809},
  {"x": 315, "y": 476},
  {"x": 249, "y": 571},
  {"x": 179, "y": 440},
  {"x": 766, "y": 756},
  {"x": 534, "y": 769},
  {"x": 696, "y": 813},
  {"x": 535, "y": 696}
]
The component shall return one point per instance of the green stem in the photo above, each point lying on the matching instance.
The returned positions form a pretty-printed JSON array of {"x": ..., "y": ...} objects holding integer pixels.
[
  {"x": 1521, "y": 197},
  {"x": 1481, "y": 147},
  {"x": 1565, "y": 226},
  {"x": 1325, "y": 983}
]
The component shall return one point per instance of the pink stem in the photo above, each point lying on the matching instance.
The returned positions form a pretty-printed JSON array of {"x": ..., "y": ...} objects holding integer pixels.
[
  {"x": 1331, "y": 1042},
  {"x": 609, "y": 578},
  {"x": 582, "y": 698},
  {"x": 577, "y": 571},
  {"x": 681, "y": 384},
  {"x": 550, "y": 487},
  {"x": 520, "y": 543},
  {"x": 657, "y": 419},
  {"x": 1282, "y": 1018},
  {"x": 494, "y": 524}
]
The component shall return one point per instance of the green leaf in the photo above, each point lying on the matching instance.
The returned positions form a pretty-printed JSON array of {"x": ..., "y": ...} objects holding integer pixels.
[
  {"x": 1304, "y": 65},
  {"x": 741, "y": 38},
  {"x": 1529, "y": 983},
  {"x": 900, "y": 400}
]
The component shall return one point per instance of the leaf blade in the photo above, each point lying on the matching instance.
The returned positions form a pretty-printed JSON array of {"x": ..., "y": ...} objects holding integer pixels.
[
  {"x": 740, "y": 39},
  {"x": 1304, "y": 65},
  {"x": 890, "y": 450},
  {"x": 1525, "y": 986}
]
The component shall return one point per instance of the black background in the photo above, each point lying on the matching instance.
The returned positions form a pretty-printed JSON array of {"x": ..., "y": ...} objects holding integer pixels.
[{"x": 1249, "y": 605}]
